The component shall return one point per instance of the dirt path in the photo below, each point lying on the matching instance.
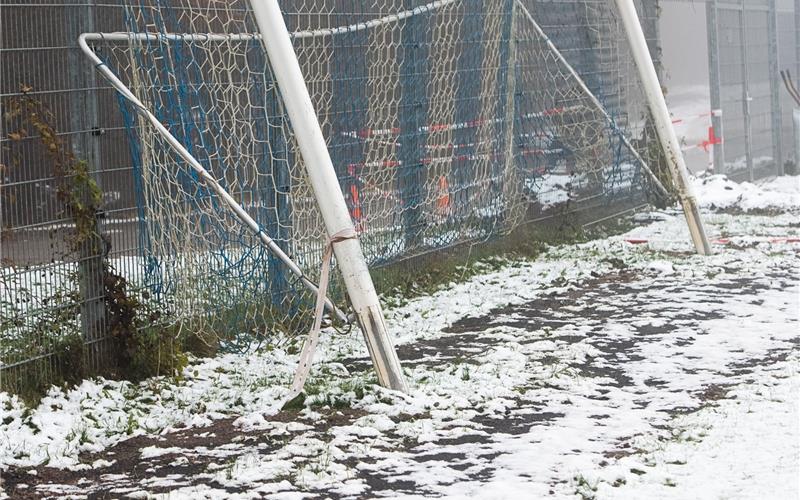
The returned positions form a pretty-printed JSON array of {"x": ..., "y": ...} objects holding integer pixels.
[{"x": 624, "y": 343}]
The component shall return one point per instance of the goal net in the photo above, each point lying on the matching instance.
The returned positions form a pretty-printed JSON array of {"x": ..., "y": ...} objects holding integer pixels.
[{"x": 447, "y": 122}]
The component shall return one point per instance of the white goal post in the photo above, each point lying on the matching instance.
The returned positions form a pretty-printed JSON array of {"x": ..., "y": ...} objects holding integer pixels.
[
  {"x": 353, "y": 266},
  {"x": 664, "y": 129}
]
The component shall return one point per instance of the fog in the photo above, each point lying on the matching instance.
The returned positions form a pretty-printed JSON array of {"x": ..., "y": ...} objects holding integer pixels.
[
  {"x": 685, "y": 59},
  {"x": 684, "y": 45}
]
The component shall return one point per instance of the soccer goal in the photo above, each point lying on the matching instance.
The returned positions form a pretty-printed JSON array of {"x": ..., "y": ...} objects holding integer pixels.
[{"x": 381, "y": 131}]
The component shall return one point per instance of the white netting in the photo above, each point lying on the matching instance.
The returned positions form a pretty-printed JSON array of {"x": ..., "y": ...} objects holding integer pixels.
[{"x": 447, "y": 122}]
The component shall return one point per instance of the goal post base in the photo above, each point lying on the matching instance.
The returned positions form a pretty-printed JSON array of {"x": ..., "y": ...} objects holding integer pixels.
[{"x": 381, "y": 349}]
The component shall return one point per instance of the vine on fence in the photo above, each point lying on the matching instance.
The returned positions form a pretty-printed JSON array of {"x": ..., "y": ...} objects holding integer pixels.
[{"x": 141, "y": 345}]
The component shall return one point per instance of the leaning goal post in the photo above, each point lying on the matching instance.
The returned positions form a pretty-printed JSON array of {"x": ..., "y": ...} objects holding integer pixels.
[
  {"x": 664, "y": 129},
  {"x": 330, "y": 199}
]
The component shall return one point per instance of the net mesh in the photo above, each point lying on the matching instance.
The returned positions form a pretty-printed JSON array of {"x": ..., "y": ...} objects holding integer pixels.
[{"x": 447, "y": 122}]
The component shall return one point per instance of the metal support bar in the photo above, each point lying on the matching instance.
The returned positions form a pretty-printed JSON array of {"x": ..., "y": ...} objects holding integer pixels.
[
  {"x": 714, "y": 80},
  {"x": 775, "y": 87},
  {"x": 663, "y": 123},
  {"x": 323, "y": 32}
]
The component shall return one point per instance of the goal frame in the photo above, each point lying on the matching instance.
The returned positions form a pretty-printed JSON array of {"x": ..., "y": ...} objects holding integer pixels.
[{"x": 277, "y": 43}]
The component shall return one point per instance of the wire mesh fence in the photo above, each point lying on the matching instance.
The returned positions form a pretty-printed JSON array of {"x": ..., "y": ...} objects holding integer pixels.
[
  {"x": 448, "y": 122},
  {"x": 755, "y": 40}
]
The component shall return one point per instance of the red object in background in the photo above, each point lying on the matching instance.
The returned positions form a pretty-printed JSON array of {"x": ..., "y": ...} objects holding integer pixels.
[
  {"x": 712, "y": 139},
  {"x": 355, "y": 201}
]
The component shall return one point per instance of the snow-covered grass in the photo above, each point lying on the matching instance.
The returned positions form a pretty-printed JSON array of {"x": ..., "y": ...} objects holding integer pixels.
[
  {"x": 601, "y": 370},
  {"x": 734, "y": 449}
]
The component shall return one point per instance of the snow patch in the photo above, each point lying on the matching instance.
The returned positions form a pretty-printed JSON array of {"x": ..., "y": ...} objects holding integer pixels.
[{"x": 719, "y": 192}]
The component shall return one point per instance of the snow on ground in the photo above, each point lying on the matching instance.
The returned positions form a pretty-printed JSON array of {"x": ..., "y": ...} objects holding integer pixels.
[
  {"x": 602, "y": 370},
  {"x": 777, "y": 193},
  {"x": 737, "y": 452}
]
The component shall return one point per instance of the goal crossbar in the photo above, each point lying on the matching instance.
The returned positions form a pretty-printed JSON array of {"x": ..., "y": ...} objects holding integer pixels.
[{"x": 220, "y": 37}]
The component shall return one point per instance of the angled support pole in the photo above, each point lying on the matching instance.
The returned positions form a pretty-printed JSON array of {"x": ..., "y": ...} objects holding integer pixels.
[
  {"x": 325, "y": 184},
  {"x": 664, "y": 129}
]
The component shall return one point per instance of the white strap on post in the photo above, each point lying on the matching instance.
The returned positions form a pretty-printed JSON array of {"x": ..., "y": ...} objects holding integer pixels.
[{"x": 310, "y": 344}]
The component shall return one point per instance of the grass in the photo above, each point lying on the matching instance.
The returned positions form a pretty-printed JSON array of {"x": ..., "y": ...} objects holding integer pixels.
[
  {"x": 327, "y": 390},
  {"x": 585, "y": 488},
  {"x": 428, "y": 273}
]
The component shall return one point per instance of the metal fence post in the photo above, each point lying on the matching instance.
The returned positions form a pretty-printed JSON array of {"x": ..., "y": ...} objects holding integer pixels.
[
  {"x": 775, "y": 87},
  {"x": 748, "y": 127},
  {"x": 797, "y": 42},
  {"x": 796, "y": 112},
  {"x": 712, "y": 29},
  {"x": 649, "y": 20},
  {"x": 84, "y": 126},
  {"x": 510, "y": 115},
  {"x": 796, "y": 120},
  {"x": 413, "y": 118}
]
